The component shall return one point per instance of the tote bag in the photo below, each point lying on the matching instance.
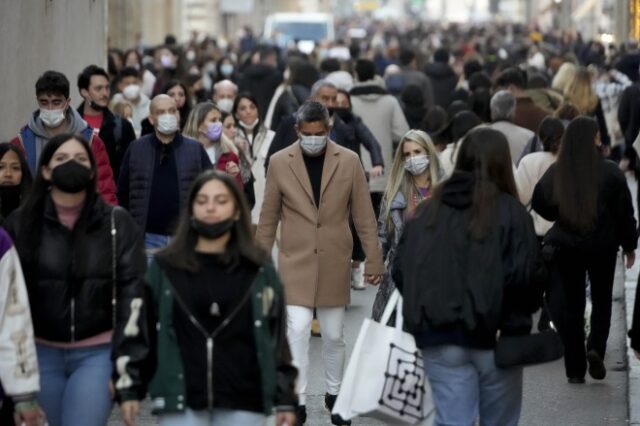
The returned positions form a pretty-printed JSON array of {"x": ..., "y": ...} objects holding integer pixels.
[{"x": 385, "y": 376}]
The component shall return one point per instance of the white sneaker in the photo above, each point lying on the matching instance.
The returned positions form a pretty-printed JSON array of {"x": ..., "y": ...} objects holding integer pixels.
[{"x": 357, "y": 278}]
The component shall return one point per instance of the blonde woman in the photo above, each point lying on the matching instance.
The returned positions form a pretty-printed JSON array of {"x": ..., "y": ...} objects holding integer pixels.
[
  {"x": 565, "y": 75},
  {"x": 414, "y": 172},
  {"x": 204, "y": 124},
  {"x": 580, "y": 92}
]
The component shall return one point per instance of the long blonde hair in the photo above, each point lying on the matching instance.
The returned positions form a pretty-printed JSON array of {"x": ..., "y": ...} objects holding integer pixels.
[
  {"x": 580, "y": 92},
  {"x": 195, "y": 120},
  {"x": 565, "y": 75},
  {"x": 400, "y": 180}
]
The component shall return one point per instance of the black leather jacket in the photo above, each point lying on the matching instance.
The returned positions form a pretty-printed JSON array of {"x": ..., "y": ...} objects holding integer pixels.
[{"x": 70, "y": 285}]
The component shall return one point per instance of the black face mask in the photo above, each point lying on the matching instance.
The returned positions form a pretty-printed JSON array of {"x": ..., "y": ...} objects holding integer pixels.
[
  {"x": 344, "y": 113},
  {"x": 9, "y": 199},
  {"x": 212, "y": 231},
  {"x": 71, "y": 177},
  {"x": 97, "y": 107}
]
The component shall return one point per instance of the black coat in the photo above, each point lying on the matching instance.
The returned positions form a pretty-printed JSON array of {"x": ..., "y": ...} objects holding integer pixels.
[
  {"x": 70, "y": 285},
  {"x": 629, "y": 113},
  {"x": 443, "y": 80},
  {"x": 261, "y": 80},
  {"x": 615, "y": 226},
  {"x": 349, "y": 135},
  {"x": 116, "y": 144},
  {"x": 461, "y": 290}
]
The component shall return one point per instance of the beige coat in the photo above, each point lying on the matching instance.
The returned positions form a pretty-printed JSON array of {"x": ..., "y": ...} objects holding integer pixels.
[{"x": 314, "y": 258}]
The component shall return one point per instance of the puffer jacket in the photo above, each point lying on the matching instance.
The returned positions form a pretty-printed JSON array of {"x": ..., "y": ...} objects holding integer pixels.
[
  {"x": 70, "y": 285},
  {"x": 487, "y": 285}
]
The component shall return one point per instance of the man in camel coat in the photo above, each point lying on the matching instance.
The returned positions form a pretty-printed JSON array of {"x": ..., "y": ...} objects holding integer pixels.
[{"x": 312, "y": 187}]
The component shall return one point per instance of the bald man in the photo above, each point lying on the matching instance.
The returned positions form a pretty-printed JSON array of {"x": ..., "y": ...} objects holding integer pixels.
[
  {"x": 224, "y": 94},
  {"x": 157, "y": 172}
]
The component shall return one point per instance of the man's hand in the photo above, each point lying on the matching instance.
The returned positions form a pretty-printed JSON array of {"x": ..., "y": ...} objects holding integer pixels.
[
  {"x": 631, "y": 258},
  {"x": 29, "y": 414},
  {"x": 373, "y": 279},
  {"x": 130, "y": 410},
  {"x": 285, "y": 418},
  {"x": 376, "y": 171}
]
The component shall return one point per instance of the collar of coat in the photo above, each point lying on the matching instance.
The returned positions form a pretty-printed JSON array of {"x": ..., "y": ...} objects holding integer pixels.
[
  {"x": 368, "y": 89},
  {"x": 297, "y": 166}
]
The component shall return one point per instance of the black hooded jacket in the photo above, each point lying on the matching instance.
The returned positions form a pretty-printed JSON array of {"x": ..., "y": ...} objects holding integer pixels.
[
  {"x": 443, "y": 80},
  {"x": 460, "y": 290},
  {"x": 261, "y": 80}
]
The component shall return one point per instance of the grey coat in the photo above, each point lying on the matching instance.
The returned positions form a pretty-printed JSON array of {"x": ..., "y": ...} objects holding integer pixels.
[{"x": 389, "y": 241}]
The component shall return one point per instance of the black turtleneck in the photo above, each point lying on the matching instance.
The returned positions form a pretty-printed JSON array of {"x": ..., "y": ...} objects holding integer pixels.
[{"x": 314, "y": 169}]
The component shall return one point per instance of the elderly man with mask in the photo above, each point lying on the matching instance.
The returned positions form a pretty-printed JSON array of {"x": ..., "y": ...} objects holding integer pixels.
[
  {"x": 224, "y": 93},
  {"x": 157, "y": 172},
  {"x": 316, "y": 185}
]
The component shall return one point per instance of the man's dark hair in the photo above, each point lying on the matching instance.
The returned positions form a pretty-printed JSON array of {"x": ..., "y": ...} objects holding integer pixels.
[
  {"x": 53, "y": 83},
  {"x": 84, "y": 78},
  {"x": 511, "y": 76},
  {"x": 329, "y": 65},
  {"x": 365, "y": 69},
  {"x": 471, "y": 67},
  {"x": 406, "y": 57},
  {"x": 441, "y": 55},
  {"x": 312, "y": 111},
  {"x": 128, "y": 72},
  {"x": 538, "y": 81}
]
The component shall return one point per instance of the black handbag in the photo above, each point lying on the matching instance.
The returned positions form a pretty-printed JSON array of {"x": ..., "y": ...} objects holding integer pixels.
[{"x": 530, "y": 349}]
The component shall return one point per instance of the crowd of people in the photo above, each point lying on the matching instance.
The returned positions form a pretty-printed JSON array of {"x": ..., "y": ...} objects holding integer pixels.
[{"x": 177, "y": 233}]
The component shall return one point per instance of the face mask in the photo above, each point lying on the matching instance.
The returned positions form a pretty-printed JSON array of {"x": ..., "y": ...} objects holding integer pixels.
[
  {"x": 51, "y": 117},
  {"x": 96, "y": 107},
  {"x": 313, "y": 145},
  {"x": 191, "y": 56},
  {"x": 214, "y": 130},
  {"x": 212, "y": 231},
  {"x": 226, "y": 69},
  {"x": 167, "y": 124},
  {"x": 71, "y": 177},
  {"x": 417, "y": 164},
  {"x": 9, "y": 199},
  {"x": 249, "y": 126},
  {"x": 131, "y": 92},
  {"x": 225, "y": 104},
  {"x": 167, "y": 61}
]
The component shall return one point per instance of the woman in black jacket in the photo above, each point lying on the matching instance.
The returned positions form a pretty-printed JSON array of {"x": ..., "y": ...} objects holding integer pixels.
[
  {"x": 589, "y": 201},
  {"x": 89, "y": 329},
  {"x": 473, "y": 276}
]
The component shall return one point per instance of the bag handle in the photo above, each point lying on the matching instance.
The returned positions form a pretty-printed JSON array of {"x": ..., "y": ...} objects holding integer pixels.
[{"x": 394, "y": 304}]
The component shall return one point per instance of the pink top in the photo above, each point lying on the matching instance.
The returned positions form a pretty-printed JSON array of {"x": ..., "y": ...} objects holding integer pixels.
[{"x": 68, "y": 216}]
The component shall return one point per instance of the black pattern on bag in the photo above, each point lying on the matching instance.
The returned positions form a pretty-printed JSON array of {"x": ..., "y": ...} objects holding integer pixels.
[{"x": 404, "y": 387}]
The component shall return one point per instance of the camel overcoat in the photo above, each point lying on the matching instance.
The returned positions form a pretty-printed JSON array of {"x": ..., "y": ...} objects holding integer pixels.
[{"x": 314, "y": 259}]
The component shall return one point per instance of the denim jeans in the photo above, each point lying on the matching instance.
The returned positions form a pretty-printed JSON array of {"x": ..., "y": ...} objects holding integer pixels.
[
  {"x": 466, "y": 384},
  {"x": 154, "y": 242},
  {"x": 75, "y": 385},
  {"x": 218, "y": 417}
]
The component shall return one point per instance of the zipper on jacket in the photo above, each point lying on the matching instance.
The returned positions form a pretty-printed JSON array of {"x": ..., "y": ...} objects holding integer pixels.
[
  {"x": 210, "y": 372},
  {"x": 73, "y": 319},
  {"x": 211, "y": 336}
]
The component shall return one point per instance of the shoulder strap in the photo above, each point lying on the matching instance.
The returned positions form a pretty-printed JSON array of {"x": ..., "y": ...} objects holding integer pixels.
[
  {"x": 117, "y": 129},
  {"x": 28, "y": 139},
  {"x": 114, "y": 263}
]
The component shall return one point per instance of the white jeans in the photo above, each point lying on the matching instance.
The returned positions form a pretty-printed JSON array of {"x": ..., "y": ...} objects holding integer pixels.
[{"x": 333, "y": 345}]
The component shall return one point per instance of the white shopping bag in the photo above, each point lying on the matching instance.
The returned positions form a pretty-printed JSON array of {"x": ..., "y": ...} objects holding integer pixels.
[{"x": 385, "y": 376}]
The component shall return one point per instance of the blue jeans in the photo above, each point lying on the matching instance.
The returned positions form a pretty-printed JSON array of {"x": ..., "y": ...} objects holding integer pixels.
[
  {"x": 218, "y": 417},
  {"x": 154, "y": 242},
  {"x": 466, "y": 384},
  {"x": 75, "y": 385}
]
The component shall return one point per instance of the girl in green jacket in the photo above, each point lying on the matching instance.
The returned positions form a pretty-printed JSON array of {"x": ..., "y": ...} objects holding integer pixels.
[{"x": 222, "y": 355}]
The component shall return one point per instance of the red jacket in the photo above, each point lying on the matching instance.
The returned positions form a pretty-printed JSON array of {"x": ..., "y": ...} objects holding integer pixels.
[
  {"x": 106, "y": 183},
  {"x": 229, "y": 157}
]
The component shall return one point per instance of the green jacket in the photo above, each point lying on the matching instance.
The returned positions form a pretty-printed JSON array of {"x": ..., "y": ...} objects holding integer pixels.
[{"x": 167, "y": 387}]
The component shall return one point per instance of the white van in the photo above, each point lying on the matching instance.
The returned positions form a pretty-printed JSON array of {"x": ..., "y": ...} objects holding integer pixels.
[{"x": 305, "y": 28}]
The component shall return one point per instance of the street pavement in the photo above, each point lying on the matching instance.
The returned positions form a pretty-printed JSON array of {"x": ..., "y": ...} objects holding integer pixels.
[{"x": 548, "y": 398}]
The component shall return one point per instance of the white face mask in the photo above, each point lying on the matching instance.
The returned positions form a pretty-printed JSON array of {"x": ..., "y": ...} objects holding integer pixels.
[
  {"x": 417, "y": 164},
  {"x": 52, "y": 117},
  {"x": 313, "y": 145},
  {"x": 167, "y": 124},
  {"x": 249, "y": 126},
  {"x": 131, "y": 92},
  {"x": 225, "y": 104}
]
